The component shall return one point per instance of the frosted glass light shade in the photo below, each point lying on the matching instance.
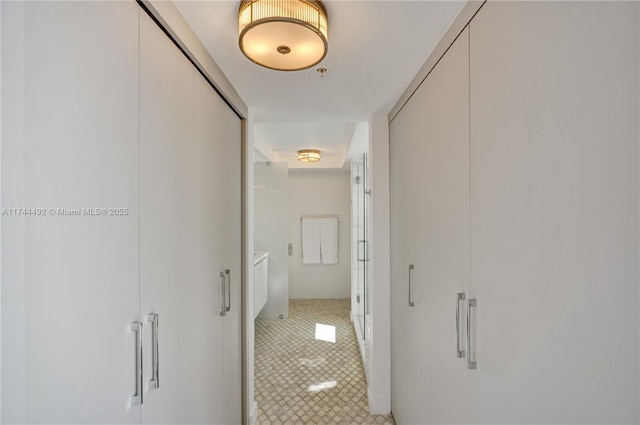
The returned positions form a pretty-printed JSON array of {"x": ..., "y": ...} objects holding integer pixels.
[
  {"x": 309, "y": 155},
  {"x": 286, "y": 35}
]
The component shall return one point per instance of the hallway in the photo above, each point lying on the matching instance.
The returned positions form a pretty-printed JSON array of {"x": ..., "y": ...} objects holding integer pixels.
[
  {"x": 302, "y": 377},
  {"x": 485, "y": 153}
]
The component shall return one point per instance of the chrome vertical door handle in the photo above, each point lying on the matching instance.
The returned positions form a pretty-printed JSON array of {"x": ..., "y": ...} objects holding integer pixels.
[
  {"x": 136, "y": 399},
  {"x": 227, "y": 273},
  {"x": 471, "y": 364},
  {"x": 154, "y": 383},
  {"x": 411, "y": 269},
  {"x": 223, "y": 309},
  {"x": 459, "y": 353}
]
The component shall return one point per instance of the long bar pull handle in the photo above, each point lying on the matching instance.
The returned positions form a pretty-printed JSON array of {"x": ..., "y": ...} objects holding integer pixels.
[
  {"x": 227, "y": 272},
  {"x": 459, "y": 353},
  {"x": 154, "y": 383},
  {"x": 411, "y": 269},
  {"x": 223, "y": 307},
  {"x": 136, "y": 399},
  {"x": 471, "y": 364}
]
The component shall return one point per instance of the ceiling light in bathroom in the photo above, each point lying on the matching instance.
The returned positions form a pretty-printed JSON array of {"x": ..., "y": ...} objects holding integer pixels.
[{"x": 309, "y": 155}]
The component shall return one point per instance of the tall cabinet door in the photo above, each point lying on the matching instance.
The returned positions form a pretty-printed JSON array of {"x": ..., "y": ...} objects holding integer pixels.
[
  {"x": 430, "y": 209},
  {"x": 442, "y": 248},
  {"x": 208, "y": 255},
  {"x": 167, "y": 226},
  {"x": 404, "y": 171},
  {"x": 70, "y": 266},
  {"x": 554, "y": 201},
  {"x": 229, "y": 147}
]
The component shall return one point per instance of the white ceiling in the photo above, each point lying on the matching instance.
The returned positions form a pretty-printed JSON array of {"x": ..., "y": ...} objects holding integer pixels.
[{"x": 375, "y": 49}]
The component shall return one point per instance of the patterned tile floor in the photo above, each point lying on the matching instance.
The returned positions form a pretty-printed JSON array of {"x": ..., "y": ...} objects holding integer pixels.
[{"x": 303, "y": 380}]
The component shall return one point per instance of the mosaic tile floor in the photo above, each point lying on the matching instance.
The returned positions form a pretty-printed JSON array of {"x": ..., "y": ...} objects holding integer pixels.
[{"x": 304, "y": 380}]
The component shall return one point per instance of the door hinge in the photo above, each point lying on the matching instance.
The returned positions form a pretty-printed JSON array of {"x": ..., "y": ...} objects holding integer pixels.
[{"x": 358, "y": 299}]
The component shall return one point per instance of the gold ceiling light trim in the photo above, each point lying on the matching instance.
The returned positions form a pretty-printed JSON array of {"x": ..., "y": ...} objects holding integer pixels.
[
  {"x": 309, "y": 155},
  {"x": 285, "y": 35}
]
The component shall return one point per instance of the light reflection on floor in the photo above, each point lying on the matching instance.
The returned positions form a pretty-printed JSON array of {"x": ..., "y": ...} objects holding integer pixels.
[
  {"x": 322, "y": 386},
  {"x": 325, "y": 332}
]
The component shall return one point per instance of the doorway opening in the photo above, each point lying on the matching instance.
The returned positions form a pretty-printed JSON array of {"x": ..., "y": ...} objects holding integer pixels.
[{"x": 311, "y": 331}]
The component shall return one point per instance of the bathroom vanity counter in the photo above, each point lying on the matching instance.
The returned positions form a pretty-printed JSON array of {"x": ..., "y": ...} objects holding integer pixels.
[{"x": 260, "y": 281}]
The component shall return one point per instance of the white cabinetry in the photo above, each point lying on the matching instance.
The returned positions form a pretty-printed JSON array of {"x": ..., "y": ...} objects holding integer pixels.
[
  {"x": 430, "y": 140},
  {"x": 208, "y": 379},
  {"x": 536, "y": 218},
  {"x": 554, "y": 202},
  {"x": 168, "y": 229},
  {"x": 190, "y": 238},
  {"x": 228, "y": 155},
  {"x": 115, "y": 117},
  {"x": 260, "y": 281},
  {"x": 69, "y": 279}
]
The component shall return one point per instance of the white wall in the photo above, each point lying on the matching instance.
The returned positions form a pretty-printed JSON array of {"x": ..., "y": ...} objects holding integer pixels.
[
  {"x": 320, "y": 192},
  {"x": 250, "y": 406},
  {"x": 271, "y": 232},
  {"x": 380, "y": 270}
]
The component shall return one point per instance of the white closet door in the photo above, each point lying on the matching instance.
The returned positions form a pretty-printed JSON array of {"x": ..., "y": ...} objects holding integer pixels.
[
  {"x": 208, "y": 264},
  {"x": 71, "y": 278},
  {"x": 229, "y": 147},
  {"x": 404, "y": 182},
  {"x": 168, "y": 226},
  {"x": 430, "y": 184},
  {"x": 442, "y": 247},
  {"x": 554, "y": 201}
]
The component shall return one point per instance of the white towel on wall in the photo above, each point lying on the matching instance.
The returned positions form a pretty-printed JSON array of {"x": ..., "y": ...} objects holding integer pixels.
[
  {"x": 310, "y": 241},
  {"x": 329, "y": 240}
]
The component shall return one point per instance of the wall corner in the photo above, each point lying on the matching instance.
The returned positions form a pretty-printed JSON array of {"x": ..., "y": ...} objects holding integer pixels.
[{"x": 380, "y": 383}]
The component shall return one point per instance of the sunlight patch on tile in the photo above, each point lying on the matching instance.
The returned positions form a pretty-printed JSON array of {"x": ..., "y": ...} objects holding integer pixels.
[
  {"x": 322, "y": 386},
  {"x": 325, "y": 332}
]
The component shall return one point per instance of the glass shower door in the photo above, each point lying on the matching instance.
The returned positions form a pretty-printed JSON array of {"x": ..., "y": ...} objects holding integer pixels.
[{"x": 361, "y": 217}]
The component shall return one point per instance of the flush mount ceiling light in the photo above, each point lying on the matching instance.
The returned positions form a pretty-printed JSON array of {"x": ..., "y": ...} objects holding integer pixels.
[
  {"x": 285, "y": 35},
  {"x": 309, "y": 155}
]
